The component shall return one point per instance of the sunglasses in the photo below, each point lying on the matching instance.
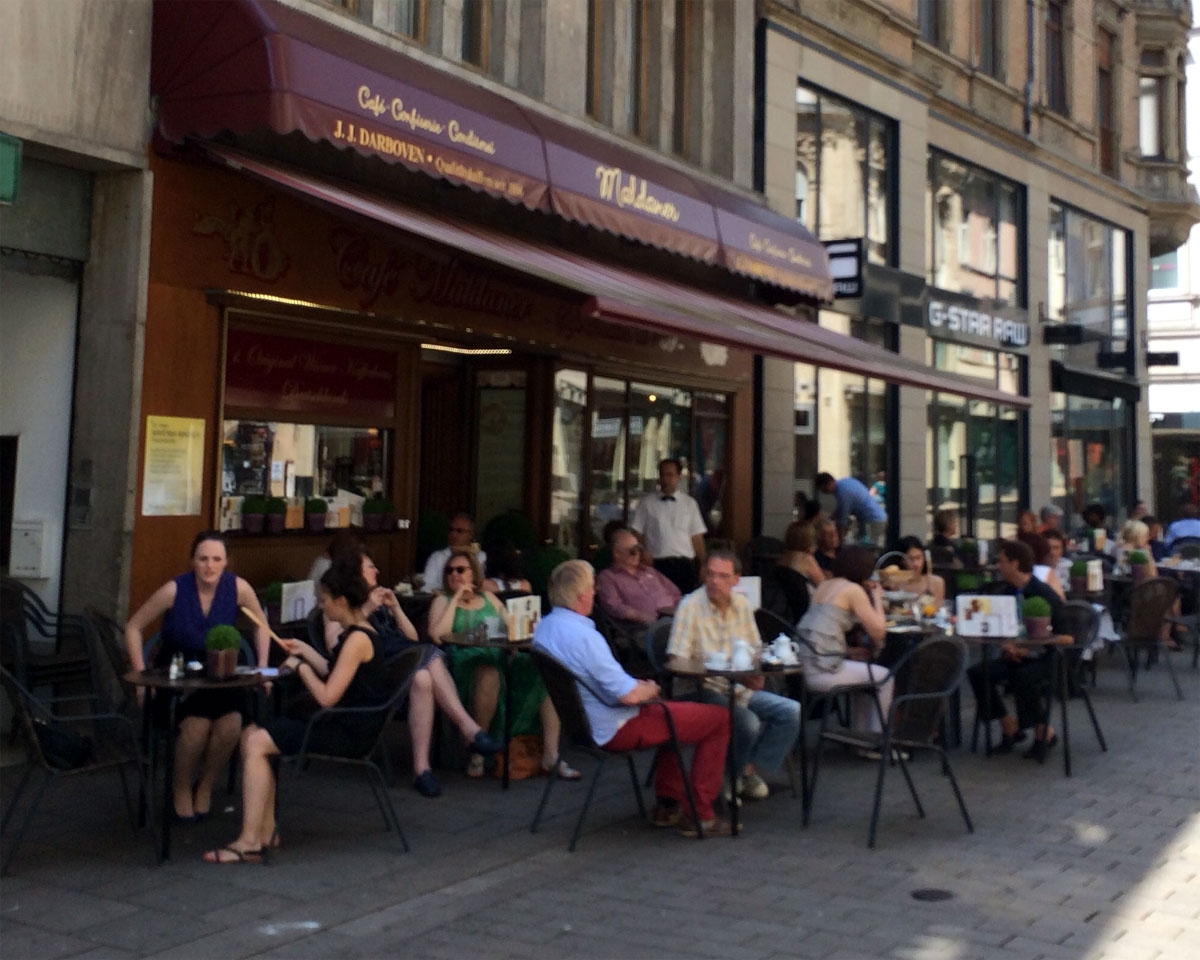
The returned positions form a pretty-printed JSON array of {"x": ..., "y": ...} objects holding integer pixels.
[
  {"x": 631, "y": 551},
  {"x": 458, "y": 569}
]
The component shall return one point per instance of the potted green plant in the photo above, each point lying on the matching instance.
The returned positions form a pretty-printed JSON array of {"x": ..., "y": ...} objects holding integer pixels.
[
  {"x": 1036, "y": 613},
  {"x": 315, "y": 509},
  {"x": 968, "y": 551},
  {"x": 272, "y": 599},
  {"x": 253, "y": 508},
  {"x": 222, "y": 643},
  {"x": 1139, "y": 565},
  {"x": 274, "y": 512},
  {"x": 375, "y": 513},
  {"x": 1079, "y": 577}
]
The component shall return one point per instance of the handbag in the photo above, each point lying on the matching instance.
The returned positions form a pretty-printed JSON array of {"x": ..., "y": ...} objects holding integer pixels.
[
  {"x": 525, "y": 758},
  {"x": 62, "y": 748}
]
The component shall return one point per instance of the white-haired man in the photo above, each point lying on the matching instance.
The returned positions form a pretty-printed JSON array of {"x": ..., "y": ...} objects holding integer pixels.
[{"x": 625, "y": 713}]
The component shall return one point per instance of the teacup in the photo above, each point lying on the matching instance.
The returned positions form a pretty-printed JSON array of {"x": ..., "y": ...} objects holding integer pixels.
[{"x": 716, "y": 661}]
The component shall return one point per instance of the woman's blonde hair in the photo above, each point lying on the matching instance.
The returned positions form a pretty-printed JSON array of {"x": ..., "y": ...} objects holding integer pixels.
[
  {"x": 1134, "y": 532},
  {"x": 567, "y": 581}
]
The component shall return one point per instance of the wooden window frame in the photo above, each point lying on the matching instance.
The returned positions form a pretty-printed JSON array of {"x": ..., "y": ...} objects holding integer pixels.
[
  {"x": 1108, "y": 150},
  {"x": 684, "y": 56},
  {"x": 1054, "y": 39},
  {"x": 480, "y": 36}
]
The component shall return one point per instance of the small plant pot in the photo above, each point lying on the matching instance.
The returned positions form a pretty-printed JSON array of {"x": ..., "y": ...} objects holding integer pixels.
[
  {"x": 221, "y": 664},
  {"x": 372, "y": 522},
  {"x": 314, "y": 522},
  {"x": 275, "y": 522},
  {"x": 1137, "y": 572},
  {"x": 252, "y": 522},
  {"x": 1037, "y": 628},
  {"x": 1079, "y": 586},
  {"x": 273, "y": 611}
]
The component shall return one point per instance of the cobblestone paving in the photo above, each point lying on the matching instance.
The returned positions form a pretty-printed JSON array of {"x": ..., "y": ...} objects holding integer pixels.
[{"x": 1104, "y": 865}]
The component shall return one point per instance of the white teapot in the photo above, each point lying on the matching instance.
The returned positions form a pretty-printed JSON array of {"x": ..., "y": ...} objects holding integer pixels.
[
  {"x": 743, "y": 655},
  {"x": 785, "y": 650}
]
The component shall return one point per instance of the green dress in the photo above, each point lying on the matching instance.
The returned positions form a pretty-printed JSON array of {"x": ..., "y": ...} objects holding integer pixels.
[{"x": 528, "y": 690}]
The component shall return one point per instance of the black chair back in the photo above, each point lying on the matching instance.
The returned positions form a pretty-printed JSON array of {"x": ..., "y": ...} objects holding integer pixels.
[
  {"x": 760, "y": 555},
  {"x": 934, "y": 670},
  {"x": 1188, "y": 547},
  {"x": 1080, "y": 621},
  {"x": 658, "y": 638},
  {"x": 1149, "y": 603},
  {"x": 562, "y": 686}
]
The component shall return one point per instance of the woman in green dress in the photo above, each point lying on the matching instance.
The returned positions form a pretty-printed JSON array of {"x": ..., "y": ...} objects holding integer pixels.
[{"x": 478, "y": 671}]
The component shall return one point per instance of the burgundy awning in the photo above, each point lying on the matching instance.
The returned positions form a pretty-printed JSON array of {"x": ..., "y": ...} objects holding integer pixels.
[
  {"x": 248, "y": 66},
  {"x": 625, "y": 296}
]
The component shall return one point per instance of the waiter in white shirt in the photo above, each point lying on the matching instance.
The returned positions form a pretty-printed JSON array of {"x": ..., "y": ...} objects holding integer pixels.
[{"x": 672, "y": 529}]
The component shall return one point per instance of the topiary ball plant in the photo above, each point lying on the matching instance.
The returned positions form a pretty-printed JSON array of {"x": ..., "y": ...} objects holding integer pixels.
[
  {"x": 222, "y": 643},
  {"x": 1035, "y": 607}
]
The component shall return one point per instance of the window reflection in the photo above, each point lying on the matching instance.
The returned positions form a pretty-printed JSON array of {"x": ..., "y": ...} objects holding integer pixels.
[{"x": 566, "y": 485}]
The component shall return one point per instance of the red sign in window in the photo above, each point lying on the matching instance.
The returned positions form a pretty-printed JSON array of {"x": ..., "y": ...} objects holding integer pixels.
[{"x": 293, "y": 375}]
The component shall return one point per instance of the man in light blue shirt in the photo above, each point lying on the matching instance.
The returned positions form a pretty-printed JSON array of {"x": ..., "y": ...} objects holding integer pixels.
[
  {"x": 627, "y": 714},
  {"x": 1186, "y": 525},
  {"x": 853, "y": 498}
]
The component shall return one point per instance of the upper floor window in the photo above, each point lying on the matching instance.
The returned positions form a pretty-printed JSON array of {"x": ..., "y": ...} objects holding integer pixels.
[
  {"x": 976, "y": 224},
  {"x": 1151, "y": 104},
  {"x": 1056, "y": 60},
  {"x": 930, "y": 22},
  {"x": 410, "y": 18},
  {"x": 1089, "y": 270},
  {"x": 476, "y": 32},
  {"x": 1164, "y": 271},
  {"x": 845, "y": 164},
  {"x": 991, "y": 32},
  {"x": 1106, "y": 97},
  {"x": 618, "y": 81}
]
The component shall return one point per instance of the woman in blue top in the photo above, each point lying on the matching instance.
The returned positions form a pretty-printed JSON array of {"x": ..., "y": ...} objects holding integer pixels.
[{"x": 209, "y": 722}]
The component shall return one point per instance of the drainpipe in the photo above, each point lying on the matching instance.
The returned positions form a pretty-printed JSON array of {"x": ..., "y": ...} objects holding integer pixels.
[{"x": 1027, "y": 114}]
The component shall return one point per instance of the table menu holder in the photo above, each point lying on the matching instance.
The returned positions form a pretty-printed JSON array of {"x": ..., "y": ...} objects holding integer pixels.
[{"x": 981, "y": 616}]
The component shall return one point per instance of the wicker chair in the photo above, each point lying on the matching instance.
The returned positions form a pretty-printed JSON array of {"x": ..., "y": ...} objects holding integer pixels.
[{"x": 1149, "y": 605}]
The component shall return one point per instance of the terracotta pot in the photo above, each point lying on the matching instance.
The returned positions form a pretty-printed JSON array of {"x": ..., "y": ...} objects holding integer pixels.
[
  {"x": 314, "y": 522},
  {"x": 1078, "y": 585},
  {"x": 1037, "y": 628},
  {"x": 275, "y": 522},
  {"x": 252, "y": 522},
  {"x": 1137, "y": 571},
  {"x": 221, "y": 665}
]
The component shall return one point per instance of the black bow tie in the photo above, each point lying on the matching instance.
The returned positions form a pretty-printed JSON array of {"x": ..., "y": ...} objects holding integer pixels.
[{"x": 667, "y": 497}]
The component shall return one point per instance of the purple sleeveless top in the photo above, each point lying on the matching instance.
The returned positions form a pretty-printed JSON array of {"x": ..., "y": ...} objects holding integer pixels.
[{"x": 185, "y": 625}]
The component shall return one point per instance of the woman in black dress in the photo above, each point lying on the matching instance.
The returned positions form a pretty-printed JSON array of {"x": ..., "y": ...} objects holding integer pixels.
[{"x": 354, "y": 676}]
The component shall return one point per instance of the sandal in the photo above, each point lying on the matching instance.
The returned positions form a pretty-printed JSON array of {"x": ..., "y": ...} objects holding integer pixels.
[
  {"x": 562, "y": 770},
  {"x": 475, "y": 766},
  {"x": 239, "y": 856}
]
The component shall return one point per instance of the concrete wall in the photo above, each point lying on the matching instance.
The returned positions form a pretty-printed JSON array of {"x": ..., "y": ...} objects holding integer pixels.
[
  {"x": 37, "y": 328},
  {"x": 73, "y": 76}
]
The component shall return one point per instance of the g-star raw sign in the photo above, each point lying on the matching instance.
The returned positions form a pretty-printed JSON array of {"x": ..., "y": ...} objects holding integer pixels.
[{"x": 956, "y": 319}]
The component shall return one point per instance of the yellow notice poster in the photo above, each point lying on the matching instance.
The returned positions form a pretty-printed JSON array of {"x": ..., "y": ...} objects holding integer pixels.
[{"x": 173, "y": 476}]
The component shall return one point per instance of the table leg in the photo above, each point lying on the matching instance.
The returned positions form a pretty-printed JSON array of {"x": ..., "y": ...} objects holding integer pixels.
[
  {"x": 508, "y": 712},
  {"x": 168, "y": 805},
  {"x": 734, "y": 808},
  {"x": 987, "y": 693},
  {"x": 148, "y": 757}
]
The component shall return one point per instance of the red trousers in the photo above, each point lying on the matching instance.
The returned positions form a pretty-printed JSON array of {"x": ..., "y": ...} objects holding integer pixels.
[{"x": 705, "y": 725}]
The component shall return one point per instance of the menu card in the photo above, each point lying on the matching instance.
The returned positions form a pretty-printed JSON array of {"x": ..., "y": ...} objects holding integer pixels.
[
  {"x": 982, "y": 616},
  {"x": 523, "y": 615}
]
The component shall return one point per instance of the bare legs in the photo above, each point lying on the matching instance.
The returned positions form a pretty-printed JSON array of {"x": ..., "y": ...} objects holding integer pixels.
[
  {"x": 485, "y": 695},
  {"x": 258, "y": 800},
  {"x": 212, "y": 740},
  {"x": 430, "y": 686}
]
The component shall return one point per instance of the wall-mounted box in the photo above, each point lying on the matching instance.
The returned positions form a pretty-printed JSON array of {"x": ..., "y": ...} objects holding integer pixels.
[{"x": 28, "y": 557}]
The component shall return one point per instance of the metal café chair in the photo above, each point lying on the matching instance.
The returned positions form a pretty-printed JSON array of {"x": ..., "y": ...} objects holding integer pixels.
[
  {"x": 1150, "y": 604},
  {"x": 562, "y": 685}
]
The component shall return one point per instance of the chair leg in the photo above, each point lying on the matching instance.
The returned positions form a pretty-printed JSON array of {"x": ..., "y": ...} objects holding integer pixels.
[
  {"x": 885, "y": 754},
  {"x": 542, "y": 805},
  {"x": 1131, "y": 660},
  {"x": 385, "y": 802},
  {"x": 129, "y": 808},
  {"x": 381, "y": 799},
  {"x": 652, "y": 771},
  {"x": 816, "y": 765},
  {"x": 12, "y": 804},
  {"x": 1166, "y": 656},
  {"x": 587, "y": 802},
  {"x": 637, "y": 788},
  {"x": 962, "y": 806},
  {"x": 16, "y": 841}
]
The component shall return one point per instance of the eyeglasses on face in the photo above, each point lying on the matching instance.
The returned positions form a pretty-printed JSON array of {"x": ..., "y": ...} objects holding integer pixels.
[
  {"x": 458, "y": 569},
  {"x": 631, "y": 551}
]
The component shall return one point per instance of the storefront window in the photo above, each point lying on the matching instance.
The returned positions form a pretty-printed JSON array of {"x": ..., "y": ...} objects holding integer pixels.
[
  {"x": 1092, "y": 458},
  {"x": 845, "y": 156},
  {"x": 976, "y": 450},
  {"x": 842, "y": 419},
  {"x": 301, "y": 460},
  {"x": 610, "y": 418},
  {"x": 1089, "y": 270},
  {"x": 566, "y": 486},
  {"x": 975, "y": 231},
  {"x": 660, "y": 426}
]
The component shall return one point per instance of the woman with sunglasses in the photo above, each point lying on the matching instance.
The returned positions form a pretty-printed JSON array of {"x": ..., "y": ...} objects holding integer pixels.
[{"x": 462, "y": 606}]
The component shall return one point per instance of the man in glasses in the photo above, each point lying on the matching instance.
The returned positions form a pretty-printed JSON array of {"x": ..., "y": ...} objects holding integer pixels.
[
  {"x": 630, "y": 590},
  {"x": 462, "y": 533}
]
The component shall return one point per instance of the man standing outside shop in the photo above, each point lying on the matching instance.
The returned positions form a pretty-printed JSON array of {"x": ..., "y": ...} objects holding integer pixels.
[
  {"x": 855, "y": 499},
  {"x": 712, "y": 620},
  {"x": 670, "y": 525}
]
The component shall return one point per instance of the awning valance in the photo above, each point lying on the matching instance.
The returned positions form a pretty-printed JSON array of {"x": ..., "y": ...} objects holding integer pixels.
[
  {"x": 242, "y": 67},
  {"x": 625, "y": 296}
]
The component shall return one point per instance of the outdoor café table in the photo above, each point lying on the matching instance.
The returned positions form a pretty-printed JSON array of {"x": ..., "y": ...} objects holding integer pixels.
[
  {"x": 158, "y": 679},
  {"x": 510, "y": 648},
  {"x": 701, "y": 673},
  {"x": 1059, "y": 645}
]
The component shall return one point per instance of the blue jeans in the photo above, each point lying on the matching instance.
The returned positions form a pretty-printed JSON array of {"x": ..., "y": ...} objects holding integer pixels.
[{"x": 764, "y": 731}]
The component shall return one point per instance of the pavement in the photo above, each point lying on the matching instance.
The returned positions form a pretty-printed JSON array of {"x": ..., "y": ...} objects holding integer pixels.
[{"x": 1104, "y": 865}]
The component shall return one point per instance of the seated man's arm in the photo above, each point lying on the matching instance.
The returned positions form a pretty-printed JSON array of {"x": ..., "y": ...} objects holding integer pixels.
[
  {"x": 683, "y": 649},
  {"x": 608, "y": 592},
  {"x": 643, "y": 692}
]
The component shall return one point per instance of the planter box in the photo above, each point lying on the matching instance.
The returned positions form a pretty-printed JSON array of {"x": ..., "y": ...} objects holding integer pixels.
[
  {"x": 221, "y": 664},
  {"x": 275, "y": 522},
  {"x": 252, "y": 522},
  {"x": 314, "y": 522},
  {"x": 1038, "y": 628}
]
